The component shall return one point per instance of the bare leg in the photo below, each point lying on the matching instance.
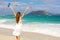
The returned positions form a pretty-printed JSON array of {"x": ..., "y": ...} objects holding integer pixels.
[{"x": 17, "y": 37}]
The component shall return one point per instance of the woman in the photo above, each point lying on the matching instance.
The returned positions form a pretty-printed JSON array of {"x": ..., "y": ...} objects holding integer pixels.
[{"x": 18, "y": 26}]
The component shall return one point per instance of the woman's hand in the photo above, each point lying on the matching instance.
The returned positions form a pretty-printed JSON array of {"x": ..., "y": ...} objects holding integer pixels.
[
  {"x": 11, "y": 8},
  {"x": 29, "y": 7}
]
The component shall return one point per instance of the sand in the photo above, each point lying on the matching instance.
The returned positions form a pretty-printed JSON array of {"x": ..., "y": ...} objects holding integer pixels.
[{"x": 6, "y": 34}]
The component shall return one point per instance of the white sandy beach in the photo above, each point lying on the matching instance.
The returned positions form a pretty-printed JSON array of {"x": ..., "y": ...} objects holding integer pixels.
[
  {"x": 32, "y": 32},
  {"x": 47, "y": 29},
  {"x": 5, "y": 34}
]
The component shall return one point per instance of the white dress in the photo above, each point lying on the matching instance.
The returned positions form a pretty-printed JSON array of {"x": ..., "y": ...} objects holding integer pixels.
[{"x": 17, "y": 29}]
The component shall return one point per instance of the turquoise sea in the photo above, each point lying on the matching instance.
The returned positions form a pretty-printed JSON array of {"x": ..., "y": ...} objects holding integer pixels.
[
  {"x": 32, "y": 18},
  {"x": 44, "y": 24}
]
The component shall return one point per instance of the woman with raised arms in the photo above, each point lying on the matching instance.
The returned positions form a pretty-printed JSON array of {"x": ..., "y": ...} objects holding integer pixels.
[{"x": 18, "y": 26}]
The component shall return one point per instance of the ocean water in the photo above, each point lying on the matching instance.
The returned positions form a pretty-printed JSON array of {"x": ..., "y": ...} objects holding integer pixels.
[
  {"x": 32, "y": 19},
  {"x": 44, "y": 24}
]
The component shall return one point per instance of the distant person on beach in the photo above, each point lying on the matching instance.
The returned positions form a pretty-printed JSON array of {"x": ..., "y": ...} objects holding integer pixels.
[{"x": 18, "y": 26}]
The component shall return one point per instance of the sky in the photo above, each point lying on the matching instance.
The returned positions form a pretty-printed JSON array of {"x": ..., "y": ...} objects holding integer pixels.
[{"x": 52, "y": 6}]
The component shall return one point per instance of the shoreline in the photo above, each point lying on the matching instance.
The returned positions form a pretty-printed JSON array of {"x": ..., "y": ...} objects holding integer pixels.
[{"x": 42, "y": 29}]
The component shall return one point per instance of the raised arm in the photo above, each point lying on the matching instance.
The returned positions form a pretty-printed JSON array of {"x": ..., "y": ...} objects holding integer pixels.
[
  {"x": 13, "y": 11},
  {"x": 25, "y": 11}
]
